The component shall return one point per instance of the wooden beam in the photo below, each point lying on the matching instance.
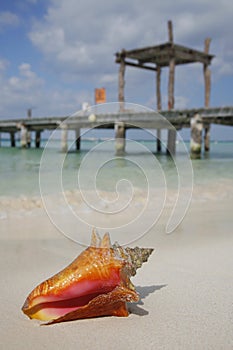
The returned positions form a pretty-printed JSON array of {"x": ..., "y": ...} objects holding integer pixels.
[
  {"x": 160, "y": 55},
  {"x": 139, "y": 65}
]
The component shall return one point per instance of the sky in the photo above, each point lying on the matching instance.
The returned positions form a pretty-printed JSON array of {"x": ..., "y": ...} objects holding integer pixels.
[{"x": 54, "y": 53}]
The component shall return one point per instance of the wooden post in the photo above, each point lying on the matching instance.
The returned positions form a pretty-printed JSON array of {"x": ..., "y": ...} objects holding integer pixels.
[
  {"x": 121, "y": 84},
  {"x": 28, "y": 139},
  {"x": 23, "y": 136},
  {"x": 159, "y": 147},
  {"x": 120, "y": 138},
  {"x": 207, "y": 80},
  {"x": 12, "y": 134},
  {"x": 37, "y": 139},
  {"x": 77, "y": 139},
  {"x": 159, "y": 104},
  {"x": 171, "y": 141},
  {"x": 171, "y": 100},
  {"x": 158, "y": 88},
  {"x": 207, "y": 74},
  {"x": 196, "y": 136},
  {"x": 171, "y": 79},
  {"x": 64, "y": 134},
  {"x": 29, "y": 113},
  {"x": 207, "y": 137},
  {"x": 170, "y": 31}
]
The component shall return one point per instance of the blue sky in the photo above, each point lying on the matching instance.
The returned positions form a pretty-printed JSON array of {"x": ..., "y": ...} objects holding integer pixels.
[{"x": 54, "y": 53}]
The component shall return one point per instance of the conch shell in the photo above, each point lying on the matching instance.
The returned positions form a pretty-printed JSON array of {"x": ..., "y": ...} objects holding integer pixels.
[{"x": 96, "y": 283}]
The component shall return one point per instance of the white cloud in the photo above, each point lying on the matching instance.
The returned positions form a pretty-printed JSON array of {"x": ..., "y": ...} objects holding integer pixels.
[
  {"x": 19, "y": 91},
  {"x": 83, "y": 36},
  {"x": 27, "y": 89},
  {"x": 8, "y": 20},
  {"x": 78, "y": 39},
  {"x": 49, "y": 41}
]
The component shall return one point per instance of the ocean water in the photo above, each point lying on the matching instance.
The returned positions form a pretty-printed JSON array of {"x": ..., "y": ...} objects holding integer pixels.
[
  {"x": 130, "y": 193},
  {"x": 22, "y": 169}
]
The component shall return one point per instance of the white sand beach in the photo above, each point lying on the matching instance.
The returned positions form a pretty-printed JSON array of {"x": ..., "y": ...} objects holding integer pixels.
[{"x": 186, "y": 286}]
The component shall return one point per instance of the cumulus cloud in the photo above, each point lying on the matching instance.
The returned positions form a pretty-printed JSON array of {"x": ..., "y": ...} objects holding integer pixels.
[
  {"x": 8, "y": 20},
  {"x": 77, "y": 41},
  {"x": 19, "y": 90},
  {"x": 80, "y": 38},
  {"x": 26, "y": 89}
]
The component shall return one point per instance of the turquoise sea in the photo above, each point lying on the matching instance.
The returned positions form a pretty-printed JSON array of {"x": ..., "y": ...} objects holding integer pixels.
[
  {"x": 131, "y": 193},
  {"x": 19, "y": 168}
]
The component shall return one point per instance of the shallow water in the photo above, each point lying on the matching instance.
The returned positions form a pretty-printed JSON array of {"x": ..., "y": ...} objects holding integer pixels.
[{"x": 19, "y": 168}]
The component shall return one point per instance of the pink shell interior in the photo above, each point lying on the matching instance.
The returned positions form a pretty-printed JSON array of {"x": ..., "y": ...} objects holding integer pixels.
[{"x": 77, "y": 295}]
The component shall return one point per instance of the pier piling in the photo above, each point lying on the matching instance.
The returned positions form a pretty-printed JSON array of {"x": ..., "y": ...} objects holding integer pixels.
[
  {"x": 207, "y": 137},
  {"x": 12, "y": 135},
  {"x": 37, "y": 139},
  {"x": 23, "y": 136},
  {"x": 159, "y": 147},
  {"x": 77, "y": 139},
  {"x": 28, "y": 136},
  {"x": 120, "y": 138},
  {"x": 64, "y": 136},
  {"x": 171, "y": 142},
  {"x": 196, "y": 136}
]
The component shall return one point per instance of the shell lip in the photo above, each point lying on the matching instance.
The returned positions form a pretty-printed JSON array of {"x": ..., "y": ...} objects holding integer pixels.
[
  {"x": 67, "y": 308},
  {"x": 77, "y": 295},
  {"x": 62, "y": 305}
]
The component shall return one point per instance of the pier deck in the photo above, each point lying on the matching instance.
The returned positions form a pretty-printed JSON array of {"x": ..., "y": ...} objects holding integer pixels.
[
  {"x": 178, "y": 118},
  {"x": 126, "y": 119}
]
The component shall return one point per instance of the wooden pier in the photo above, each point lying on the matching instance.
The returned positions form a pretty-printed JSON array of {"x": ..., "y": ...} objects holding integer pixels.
[
  {"x": 152, "y": 58},
  {"x": 195, "y": 119},
  {"x": 168, "y": 54}
]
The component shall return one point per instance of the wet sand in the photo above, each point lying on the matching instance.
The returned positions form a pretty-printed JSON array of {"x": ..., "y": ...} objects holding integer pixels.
[{"x": 186, "y": 287}]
